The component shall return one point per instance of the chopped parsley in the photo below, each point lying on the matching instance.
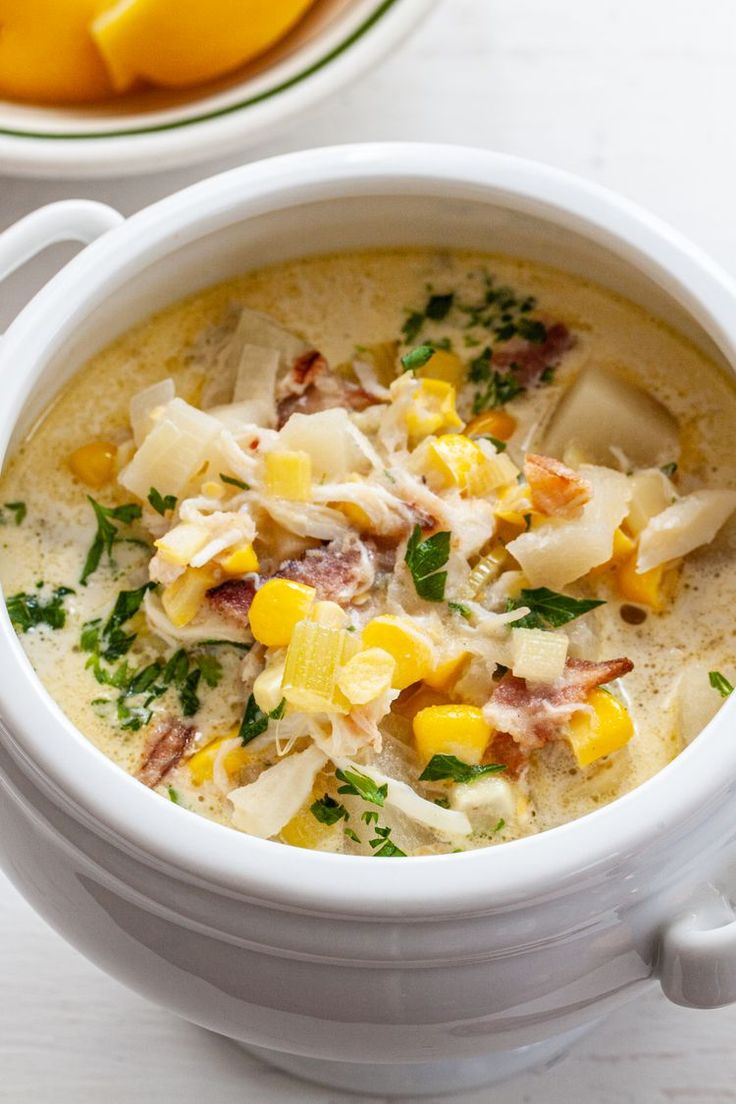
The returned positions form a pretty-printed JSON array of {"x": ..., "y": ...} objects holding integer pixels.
[
  {"x": 328, "y": 811},
  {"x": 18, "y": 509},
  {"x": 720, "y": 683},
  {"x": 669, "y": 469},
  {"x": 417, "y": 358},
  {"x": 383, "y": 846},
  {"x": 107, "y": 532},
  {"x": 548, "y": 609},
  {"x": 461, "y": 608},
  {"x": 161, "y": 503},
  {"x": 439, "y": 306},
  {"x": 532, "y": 330},
  {"x": 500, "y": 446},
  {"x": 28, "y": 611},
  {"x": 495, "y": 388},
  {"x": 360, "y": 785},
  {"x": 425, "y": 558},
  {"x": 173, "y": 795},
  {"x": 351, "y": 835},
  {"x": 448, "y": 767},
  {"x": 233, "y": 482},
  {"x": 412, "y": 326},
  {"x": 255, "y": 721},
  {"x": 111, "y": 642}
]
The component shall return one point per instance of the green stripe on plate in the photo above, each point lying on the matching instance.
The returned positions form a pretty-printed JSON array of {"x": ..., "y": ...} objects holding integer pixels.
[{"x": 260, "y": 98}]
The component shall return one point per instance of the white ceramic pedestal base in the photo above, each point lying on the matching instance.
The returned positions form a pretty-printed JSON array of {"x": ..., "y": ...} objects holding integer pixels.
[{"x": 423, "y": 1078}]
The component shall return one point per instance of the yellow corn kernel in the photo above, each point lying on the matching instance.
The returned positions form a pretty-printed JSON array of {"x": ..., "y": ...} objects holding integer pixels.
[
  {"x": 240, "y": 561},
  {"x": 267, "y": 688},
  {"x": 457, "y": 461},
  {"x": 289, "y": 475},
  {"x": 623, "y": 547},
  {"x": 411, "y": 648},
  {"x": 304, "y": 830},
  {"x": 312, "y": 663},
  {"x": 432, "y": 410},
  {"x": 329, "y": 614},
  {"x": 183, "y": 542},
  {"x": 605, "y": 729},
  {"x": 496, "y": 423},
  {"x": 443, "y": 365},
  {"x": 645, "y": 589},
  {"x": 417, "y": 697},
  {"x": 201, "y": 765},
  {"x": 183, "y": 598},
  {"x": 94, "y": 463},
  {"x": 366, "y": 676},
  {"x": 276, "y": 609},
  {"x": 355, "y": 515},
  {"x": 485, "y": 571},
  {"x": 448, "y": 671},
  {"x": 459, "y": 730}
]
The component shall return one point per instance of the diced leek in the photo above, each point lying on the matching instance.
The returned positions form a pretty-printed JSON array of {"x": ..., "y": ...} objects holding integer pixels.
[
  {"x": 485, "y": 571},
  {"x": 289, "y": 475},
  {"x": 538, "y": 656},
  {"x": 312, "y": 664}
]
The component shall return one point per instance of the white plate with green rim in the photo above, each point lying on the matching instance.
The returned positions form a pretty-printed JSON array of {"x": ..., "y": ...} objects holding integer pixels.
[{"x": 160, "y": 129}]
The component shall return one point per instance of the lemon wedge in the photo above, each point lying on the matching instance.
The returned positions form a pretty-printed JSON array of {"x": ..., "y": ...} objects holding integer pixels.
[
  {"x": 176, "y": 43},
  {"x": 47, "y": 53}
]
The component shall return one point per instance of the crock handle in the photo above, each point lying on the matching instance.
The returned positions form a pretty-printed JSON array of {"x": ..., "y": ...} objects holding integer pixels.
[
  {"x": 80, "y": 220},
  {"x": 697, "y": 958}
]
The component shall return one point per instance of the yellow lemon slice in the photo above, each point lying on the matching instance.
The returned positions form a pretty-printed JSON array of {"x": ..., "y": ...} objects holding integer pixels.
[
  {"x": 176, "y": 43},
  {"x": 47, "y": 53}
]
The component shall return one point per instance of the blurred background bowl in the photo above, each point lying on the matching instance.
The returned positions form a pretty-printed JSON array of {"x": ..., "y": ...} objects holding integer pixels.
[{"x": 161, "y": 129}]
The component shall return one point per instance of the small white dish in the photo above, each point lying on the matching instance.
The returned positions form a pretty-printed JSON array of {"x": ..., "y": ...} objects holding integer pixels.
[{"x": 155, "y": 130}]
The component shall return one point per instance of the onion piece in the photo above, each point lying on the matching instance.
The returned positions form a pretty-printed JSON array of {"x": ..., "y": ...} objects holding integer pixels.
[
  {"x": 685, "y": 525},
  {"x": 560, "y": 550},
  {"x": 144, "y": 406},
  {"x": 172, "y": 452},
  {"x": 263, "y": 807}
]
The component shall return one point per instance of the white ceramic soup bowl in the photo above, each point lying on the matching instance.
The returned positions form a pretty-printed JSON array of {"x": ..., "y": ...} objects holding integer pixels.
[{"x": 425, "y": 974}]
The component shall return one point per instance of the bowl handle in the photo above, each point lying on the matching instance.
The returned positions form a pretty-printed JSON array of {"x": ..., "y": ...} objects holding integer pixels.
[
  {"x": 697, "y": 957},
  {"x": 80, "y": 220}
]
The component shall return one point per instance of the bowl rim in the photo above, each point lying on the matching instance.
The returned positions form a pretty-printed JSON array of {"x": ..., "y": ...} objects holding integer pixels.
[
  {"x": 129, "y": 149},
  {"x": 508, "y": 875}
]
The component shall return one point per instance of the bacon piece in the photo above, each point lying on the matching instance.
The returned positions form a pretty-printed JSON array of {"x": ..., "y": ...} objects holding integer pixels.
[
  {"x": 306, "y": 368},
  {"x": 504, "y": 749},
  {"x": 555, "y": 488},
  {"x": 327, "y": 393},
  {"x": 530, "y": 359},
  {"x": 533, "y": 714},
  {"x": 232, "y": 599},
  {"x": 338, "y": 571},
  {"x": 171, "y": 738}
]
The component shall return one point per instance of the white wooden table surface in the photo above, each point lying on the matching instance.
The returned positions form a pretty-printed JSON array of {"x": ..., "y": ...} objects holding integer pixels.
[{"x": 636, "y": 94}]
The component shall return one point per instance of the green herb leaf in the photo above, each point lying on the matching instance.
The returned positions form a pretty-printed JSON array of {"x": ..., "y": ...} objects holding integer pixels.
[
  {"x": 499, "y": 825},
  {"x": 548, "y": 609},
  {"x": 90, "y": 637},
  {"x": 384, "y": 847},
  {"x": 441, "y": 767},
  {"x": 107, "y": 532},
  {"x": 19, "y": 509},
  {"x": 720, "y": 683},
  {"x": 412, "y": 326},
  {"x": 210, "y": 667},
  {"x": 500, "y": 446},
  {"x": 667, "y": 469},
  {"x": 188, "y": 693},
  {"x": 328, "y": 811},
  {"x": 361, "y": 786},
  {"x": 424, "y": 558},
  {"x": 28, "y": 611},
  {"x": 417, "y": 358},
  {"x": 233, "y": 482},
  {"x": 461, "y": 608},
  {"x": 173, "y": 795},
  {"x": 160, "y": 502},
  {"x": 351, "y": 835},
  {"x": 115, "y": 643},
  {"x": 439, "y": 306},
  {"x": 531, "y": 330},
  {"x": 255, "y": 721}
]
